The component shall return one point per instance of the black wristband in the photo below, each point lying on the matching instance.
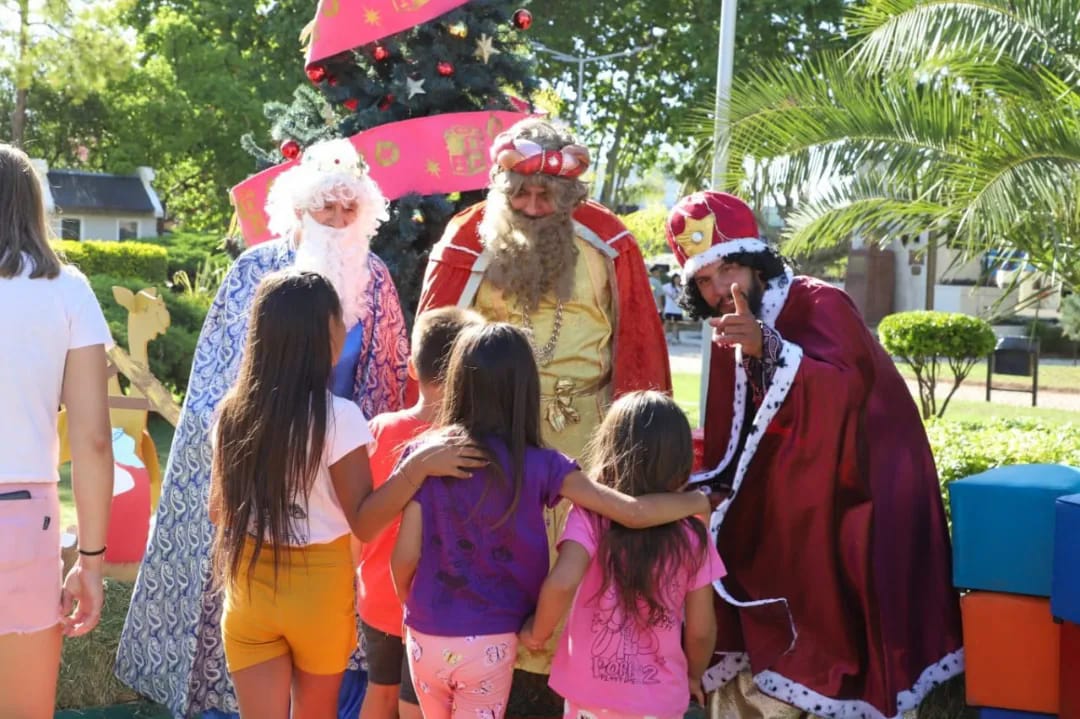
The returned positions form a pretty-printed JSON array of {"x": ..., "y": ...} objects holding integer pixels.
[{"x": 85, "y": 553}]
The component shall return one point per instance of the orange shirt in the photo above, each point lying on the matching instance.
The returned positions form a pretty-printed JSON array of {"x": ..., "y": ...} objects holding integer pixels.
[{"x": 376, "y": 602}]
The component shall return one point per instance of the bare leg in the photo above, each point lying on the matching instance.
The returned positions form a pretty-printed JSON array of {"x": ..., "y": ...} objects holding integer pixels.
[
  {"x": 407, "y": 710},
  {"x": 263, "y": 690},
  {"x": 380, "y": 701},
  {"x": 315, "y": 696},
  {"x": 29, "y": 665}
]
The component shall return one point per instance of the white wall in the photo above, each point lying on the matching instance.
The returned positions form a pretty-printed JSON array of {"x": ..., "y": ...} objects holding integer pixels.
[
  {"x": 909, "y": 289},
  {"x": 99, "y": 227},
  {"x": 977, "y": 301},
  {"x": 106, "y": 227},
  {"x": 951, "y": 269}
]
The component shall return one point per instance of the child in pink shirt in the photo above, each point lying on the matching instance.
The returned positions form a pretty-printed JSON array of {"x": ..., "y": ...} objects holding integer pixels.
[{"x": 622, "y": 652}]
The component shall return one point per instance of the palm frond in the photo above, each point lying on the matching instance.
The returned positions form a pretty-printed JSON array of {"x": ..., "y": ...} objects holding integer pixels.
[
  {"x": 1023, "y": 160},
  {"x": 898, "y": 33},
  {"x": 867, "y": 208},
  {"x": 829, "y": 123}
]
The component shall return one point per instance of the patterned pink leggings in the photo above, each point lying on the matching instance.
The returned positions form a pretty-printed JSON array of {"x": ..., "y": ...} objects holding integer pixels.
[{"x": 461, "y": 677}]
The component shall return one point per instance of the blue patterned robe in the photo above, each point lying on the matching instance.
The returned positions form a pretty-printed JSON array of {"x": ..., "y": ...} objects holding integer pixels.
[{"x": 171, "y": 649}]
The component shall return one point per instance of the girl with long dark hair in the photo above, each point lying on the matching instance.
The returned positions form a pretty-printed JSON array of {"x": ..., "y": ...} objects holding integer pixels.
[
  {"x": 471, "y": 555},
  {"x": 624, "y": 652},
  {"x": 290, "y": 482}
]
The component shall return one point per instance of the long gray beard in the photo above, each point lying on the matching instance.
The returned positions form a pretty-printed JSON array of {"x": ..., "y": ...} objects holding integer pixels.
[
  {"x": 530, "y": 257},
  {"x": 341, "y": 256}
]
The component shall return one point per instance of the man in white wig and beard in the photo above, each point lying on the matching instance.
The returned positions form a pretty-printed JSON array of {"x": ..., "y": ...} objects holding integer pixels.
[{"x": 324, "y": 213}]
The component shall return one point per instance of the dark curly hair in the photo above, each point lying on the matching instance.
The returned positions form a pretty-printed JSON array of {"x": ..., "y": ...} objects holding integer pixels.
[{"x": 768, "y": 263}]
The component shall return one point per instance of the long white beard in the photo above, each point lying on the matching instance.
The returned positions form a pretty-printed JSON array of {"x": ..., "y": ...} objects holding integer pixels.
[{"x": 341, "y": 256}]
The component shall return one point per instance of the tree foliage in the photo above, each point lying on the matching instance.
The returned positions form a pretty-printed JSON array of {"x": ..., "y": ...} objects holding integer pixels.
[
  {"x": 56, "y": 48},
  {"x": 958, "y": 118},
  {"x": 647, "y": 227},
  {"x": 171, "y": 85},
  {"x": 636, "y": 104}
]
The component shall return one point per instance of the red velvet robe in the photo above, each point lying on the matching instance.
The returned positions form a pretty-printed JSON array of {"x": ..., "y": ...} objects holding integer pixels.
[
  {"x": 639, "y": 349},
  {"x": 837, "y": 511}
]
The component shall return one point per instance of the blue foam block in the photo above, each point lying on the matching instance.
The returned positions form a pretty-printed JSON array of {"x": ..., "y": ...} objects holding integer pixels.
[
  {"x": 1003, "y": 527},
  {"x": 1065, "y": 587},
  {"x": 988, "y": 713}
]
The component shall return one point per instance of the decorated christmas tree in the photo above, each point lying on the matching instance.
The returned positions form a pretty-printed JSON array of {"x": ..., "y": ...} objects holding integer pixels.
[{"x": 377, "y": 69}]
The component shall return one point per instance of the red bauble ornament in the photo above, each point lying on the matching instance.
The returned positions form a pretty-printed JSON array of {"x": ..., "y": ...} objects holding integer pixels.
[
  {"x": 290, "y": 149},
  {"x": 380, "y": 53},
  {"x": 331, "y": 81},
  {"x": 445, "y": 69},
  {"x": 316, "y": 73},
  {"x": 522, "y": 19},
  {"x": 352, "y": 103},
  {"x": 386, "y": 103}
]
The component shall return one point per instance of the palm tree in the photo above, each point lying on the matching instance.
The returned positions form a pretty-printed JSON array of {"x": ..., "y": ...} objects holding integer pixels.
[{"x": 954, "y": 116}]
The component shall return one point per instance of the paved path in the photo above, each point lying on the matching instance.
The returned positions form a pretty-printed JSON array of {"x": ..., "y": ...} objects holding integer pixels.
[{"x": 686, "y": 359}]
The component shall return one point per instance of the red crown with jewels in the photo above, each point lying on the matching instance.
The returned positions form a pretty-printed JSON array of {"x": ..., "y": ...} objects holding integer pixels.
[{"x": 526, "y": 157}]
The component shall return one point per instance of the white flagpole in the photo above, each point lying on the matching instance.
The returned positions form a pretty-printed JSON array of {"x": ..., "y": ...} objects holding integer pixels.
[{"x": 725, "y": 62}]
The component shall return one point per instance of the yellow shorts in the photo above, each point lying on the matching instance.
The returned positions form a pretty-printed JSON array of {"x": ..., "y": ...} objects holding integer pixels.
[{"x": 311, "y": 613}]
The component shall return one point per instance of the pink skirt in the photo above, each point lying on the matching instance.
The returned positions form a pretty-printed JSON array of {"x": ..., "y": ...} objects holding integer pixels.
[{"x": 30, "y": 563}]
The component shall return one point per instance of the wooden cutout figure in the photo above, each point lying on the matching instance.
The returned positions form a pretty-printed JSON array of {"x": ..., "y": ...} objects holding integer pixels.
[{"x": 147, "y": 318}]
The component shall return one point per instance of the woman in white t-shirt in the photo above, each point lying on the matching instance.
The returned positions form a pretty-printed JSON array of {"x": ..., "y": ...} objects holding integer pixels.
[
  {"x": 52, "y": 352},
  {"x": 672, "y": 291},
  {"x": 290, "y": 482}
]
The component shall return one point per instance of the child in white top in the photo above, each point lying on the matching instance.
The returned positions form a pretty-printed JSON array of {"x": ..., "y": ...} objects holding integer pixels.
[
  {"x": 53, "y": 339},
  {"x": 290, "y": 479}
]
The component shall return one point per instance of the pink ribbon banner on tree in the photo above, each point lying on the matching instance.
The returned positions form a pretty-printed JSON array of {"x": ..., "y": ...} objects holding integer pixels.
[
  {"x": 341, "y": 25},
  {"x": 428, "y": 155}
]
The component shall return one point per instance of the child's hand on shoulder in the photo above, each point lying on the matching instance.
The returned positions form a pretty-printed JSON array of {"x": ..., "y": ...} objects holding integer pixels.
[
  {"x": 526, "y": 636},
  {"x": 712, "y": 500},
  {"x": 451, "y": 457}
]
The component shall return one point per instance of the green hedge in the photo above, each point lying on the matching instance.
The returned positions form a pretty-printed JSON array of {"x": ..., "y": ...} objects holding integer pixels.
[
  {"x": 1051, "y": 336},
  {"x": 118, "y": 259},
  {"x": 962, "y": 449},
  {"x": 923, "y": 334},
  {"x": 171, "y": 353},
  {"x": 1070, "y": 317},
  {"x": 926, "y": 339},
  {"x": 188, "y": 252}
]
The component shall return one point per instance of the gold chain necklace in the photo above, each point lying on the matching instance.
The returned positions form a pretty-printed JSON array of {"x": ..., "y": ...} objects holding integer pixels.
[{"x": 545, "y": 354}]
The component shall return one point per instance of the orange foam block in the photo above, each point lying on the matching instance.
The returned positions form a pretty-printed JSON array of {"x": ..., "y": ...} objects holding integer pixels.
[
  {"x": 1011, "y": 646},
  {"x": 1070, "y": 671}
]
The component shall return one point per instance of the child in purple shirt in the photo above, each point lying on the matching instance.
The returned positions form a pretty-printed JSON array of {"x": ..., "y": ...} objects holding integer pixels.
[{"x": 472, "y": 554}]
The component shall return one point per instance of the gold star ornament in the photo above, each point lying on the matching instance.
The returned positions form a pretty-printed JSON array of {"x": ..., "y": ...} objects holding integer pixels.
[{"x": 485, "y": 48}]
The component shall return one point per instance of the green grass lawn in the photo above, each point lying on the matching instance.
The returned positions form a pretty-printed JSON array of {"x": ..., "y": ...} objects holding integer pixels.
[
  {"x": 86, "y": 678},
  {"x": 1052, "y": 377},
  {"x": 687, "y": 392},
  {"x": 687, "y": 388}
]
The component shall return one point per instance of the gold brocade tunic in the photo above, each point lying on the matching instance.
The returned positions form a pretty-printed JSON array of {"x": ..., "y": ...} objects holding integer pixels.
[{"x": 575, "y": 385}]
